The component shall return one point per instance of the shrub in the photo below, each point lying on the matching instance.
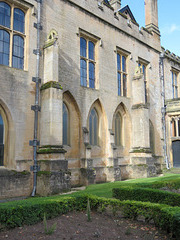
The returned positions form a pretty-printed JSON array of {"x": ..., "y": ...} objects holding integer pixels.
[
  {"x": 169, "y": 183},
  {"x": 27, "y": 212},
  {"x": 147, "y": 195}
]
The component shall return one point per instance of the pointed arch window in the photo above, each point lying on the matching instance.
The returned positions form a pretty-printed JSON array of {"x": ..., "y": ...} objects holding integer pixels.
[
  {"x": 151, "y": 137},
  {"x": 1, "y": 141},
  {"x": 93, "y": 127},
  {"x": 12, "y": 35},
  {"x": 118, "y": 129},
  {"x": 66, "y": 126}
]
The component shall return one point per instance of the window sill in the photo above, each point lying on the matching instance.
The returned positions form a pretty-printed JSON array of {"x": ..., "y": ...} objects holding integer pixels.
[
  {"x": 93, "y": 89},
  {"x": 18, "y": 69}
]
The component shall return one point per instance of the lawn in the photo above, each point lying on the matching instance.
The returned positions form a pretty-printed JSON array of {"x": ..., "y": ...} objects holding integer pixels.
[
  {"x": 105, "y": 189},
  {"x": 160, "y": 206}
]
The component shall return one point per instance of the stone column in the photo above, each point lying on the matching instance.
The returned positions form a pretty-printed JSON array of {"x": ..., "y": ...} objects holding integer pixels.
[
  {"x": 88, "y": 173},
  {"x": 51, "y": 96},
  {"x": 151, "y": 16},
  {"x": 54, "y": 176},
  {"x": 140, "y": 113},
  {"x": 140, "y": 150},
  {"x": 113, "y": 171}
]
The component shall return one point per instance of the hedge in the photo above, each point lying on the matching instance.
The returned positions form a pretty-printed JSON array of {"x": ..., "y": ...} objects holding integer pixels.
[
  {"x": 27, "y": 212},
  {"x": 169, "y": 183},
  {"x": 146, "y": 195}
]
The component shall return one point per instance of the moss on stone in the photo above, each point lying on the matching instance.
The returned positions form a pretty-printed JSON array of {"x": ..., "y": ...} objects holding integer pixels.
[
  {"x": 142, "y": 165},
  {"x": 123, "y": 15},
  {"x": 141, "y": 150},
  {"x": 51, "y": 146},
  {"x": 51, "y": 84},
  {"x": 51, "y": 149},
  {"x": 20, "y": 173},
  {"x": 46, "y": 173}
]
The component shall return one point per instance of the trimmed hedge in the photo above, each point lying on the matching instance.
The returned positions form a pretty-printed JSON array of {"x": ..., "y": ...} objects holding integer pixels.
[
  {"x": 146, "y": 195},
  {"x": 27, "y": 212},
  {"x": 169, "y": 183}
]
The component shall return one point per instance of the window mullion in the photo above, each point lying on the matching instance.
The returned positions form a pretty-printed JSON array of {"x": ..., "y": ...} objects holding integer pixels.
[
  {"x": 11, "y": 36},
  {"x": 87, "y": 61},
  {"x": 121, "y": 76}
]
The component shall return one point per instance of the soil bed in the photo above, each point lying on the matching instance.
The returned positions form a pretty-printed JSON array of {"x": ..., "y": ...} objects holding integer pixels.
[{"x": 74, "y": 226}]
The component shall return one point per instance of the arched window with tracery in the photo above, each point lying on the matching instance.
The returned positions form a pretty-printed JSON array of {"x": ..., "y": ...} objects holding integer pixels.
[
  {"x": 93, "y": 127},
  {"x": 1, "y": 141},
  {"x": 118, "y": 129},
  {"x": 66, "y": 125}
]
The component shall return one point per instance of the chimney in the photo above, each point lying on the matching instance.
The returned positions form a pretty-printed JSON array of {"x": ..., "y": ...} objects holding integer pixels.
[
  {"x": 116, "y": 4},
  {"x": 151, "y": 15}
]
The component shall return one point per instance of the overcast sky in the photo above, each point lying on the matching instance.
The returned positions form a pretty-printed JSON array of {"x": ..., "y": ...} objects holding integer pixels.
[{"x": 169, "y": 21}]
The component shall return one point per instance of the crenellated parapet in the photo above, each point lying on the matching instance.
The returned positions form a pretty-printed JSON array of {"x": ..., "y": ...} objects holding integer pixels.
[
  {"x": 171, "y": 55},
  {"x": 122, "y": 20}
]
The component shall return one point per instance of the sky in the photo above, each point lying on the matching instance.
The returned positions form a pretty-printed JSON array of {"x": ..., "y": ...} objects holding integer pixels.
[{"x": 169, "y": 21}]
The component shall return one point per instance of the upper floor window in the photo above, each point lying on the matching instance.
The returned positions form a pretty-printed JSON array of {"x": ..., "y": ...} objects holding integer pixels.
[
  {"x": 12, "y": 37},
  {"x": 93, "y": 127},
  {"x": 143, "y": 70},
  {"x": 174, "y": 85},
  {"x": 122, "y": 75},
  {"x": 66, "y": 127},
  {"x": 87, "y": 62}
]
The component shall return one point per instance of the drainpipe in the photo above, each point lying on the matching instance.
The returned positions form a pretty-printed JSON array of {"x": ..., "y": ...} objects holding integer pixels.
[
  {"x": 163, "y": 110},
  {"x": 36, "y": 108}
]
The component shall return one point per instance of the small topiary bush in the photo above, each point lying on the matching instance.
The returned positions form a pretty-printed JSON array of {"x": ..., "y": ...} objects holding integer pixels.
[{"x": 146, "y": 195}]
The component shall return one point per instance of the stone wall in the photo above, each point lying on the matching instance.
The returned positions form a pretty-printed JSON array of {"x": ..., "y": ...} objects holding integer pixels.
[{"x": 15, "y": 184}]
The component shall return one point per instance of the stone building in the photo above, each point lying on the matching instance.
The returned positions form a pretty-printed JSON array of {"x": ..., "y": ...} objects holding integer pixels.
[{"x": 106, "y": 95}]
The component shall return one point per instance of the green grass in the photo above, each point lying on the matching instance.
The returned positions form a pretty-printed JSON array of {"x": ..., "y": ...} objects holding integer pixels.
[
  {"x": 102, "y": 190},
  {"x": 32, "y": 210},
  {"x": 105, "y": 189}
]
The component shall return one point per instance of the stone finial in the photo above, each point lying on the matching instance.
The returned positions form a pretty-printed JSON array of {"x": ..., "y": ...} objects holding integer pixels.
[
  {"x": 51, "y": 38},
  {"x": 138, "y": 71},
  {"x": 116, "y": 4}
]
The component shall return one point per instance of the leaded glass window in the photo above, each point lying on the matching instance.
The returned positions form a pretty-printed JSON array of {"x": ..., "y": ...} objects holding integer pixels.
[
  {"x": 83, "y": 72},
  {"x": 12, "y": 35},
  {"x": 87, "y": 63},
  {"x": 91, "y": 75},
  {"x": 5, "y": 14},
  {"x": 4, "y": 47},
  {"x": 93, "y": 127},
  {"x": 174, "y": 85},
  {"x": 66, "y": 140},
  {"x": 121, "y": 75},
  {"x": 143, "y": 70},
  {"x": 118, "y": 129},
  {"x": 18, "y": 52},
  {"x": 1, "y": 141},
  {"x": 19, "y": 20}
]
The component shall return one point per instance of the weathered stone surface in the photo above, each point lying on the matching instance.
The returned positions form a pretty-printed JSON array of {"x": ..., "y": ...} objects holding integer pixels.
[{"x": 14, "y": 183}]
